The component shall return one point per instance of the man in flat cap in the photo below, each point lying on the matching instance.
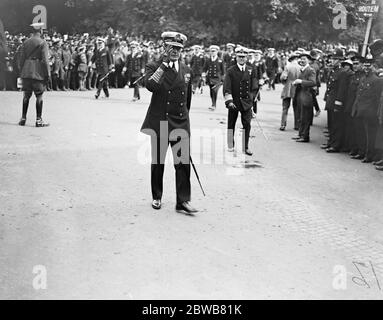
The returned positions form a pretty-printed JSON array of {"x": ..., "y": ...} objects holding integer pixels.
[
  {"x": 239, "y": 90},
  {"x": 35, "y": 72},
  {"x": 167, "y": 120},
  {"x": 213, "y": 71}
]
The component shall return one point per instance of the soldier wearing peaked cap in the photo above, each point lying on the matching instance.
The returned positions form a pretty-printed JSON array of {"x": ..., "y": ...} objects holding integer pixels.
[
  {"x": 134, "y": 68},
  {"x": 103, "y": 60},
  {"x": 229, "y": 56},
  {"x": 335, "y": 98},
  {"x": 239, "y": 90},
  {"x": 35, "y": 72},
  {"x": 197, "y": 64},
  {"x": 366, "y": 108},
  {"x": 213, "y": 71},
  {"x": 167, "y": 120}
]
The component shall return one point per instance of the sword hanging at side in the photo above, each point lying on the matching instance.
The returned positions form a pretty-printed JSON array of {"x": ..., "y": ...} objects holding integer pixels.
[{"x": 106, "y": 76}]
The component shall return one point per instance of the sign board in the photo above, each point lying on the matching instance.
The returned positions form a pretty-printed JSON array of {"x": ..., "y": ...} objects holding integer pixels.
[{"x": 368, "y": 10}]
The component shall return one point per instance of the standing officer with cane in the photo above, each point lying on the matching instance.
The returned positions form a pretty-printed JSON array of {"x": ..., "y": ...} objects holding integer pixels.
[{"x": 167, "y": 120}]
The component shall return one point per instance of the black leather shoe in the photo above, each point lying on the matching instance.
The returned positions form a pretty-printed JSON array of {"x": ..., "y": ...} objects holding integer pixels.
[
  {"x": 324, "y": 146},
  {"x": 97, "y": 96},
  {"x": 248, "y": 152},
  {"x": 40, "y": 123},
  {"x": 185, "y": 208},
  {"x": 332, "y": 150},
  {"x": 353, "y": 154},
  {"x": 296, "y": 138},
  {"x": 282, "y": 128},
  {"x": 303, "y": 140},
  {"x": 367, "y": 160},
  {"x": 357, "y": 157},
  {"x": 22, "y": 122},
  {"x": 156, "y": 204},
  {"x": 379, "y": 168},
  {"x": 378, "y": 163}
]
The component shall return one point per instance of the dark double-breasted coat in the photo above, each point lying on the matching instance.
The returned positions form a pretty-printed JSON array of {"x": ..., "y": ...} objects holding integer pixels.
[
  {"x": 241, "y": 86},
  {"x": 368, "y": 97},
  {"x": 214, "y": 71},
  {"x": 135, "y": 63},
  {"x": 197, "y": 63},
  {"x": 171, "y": 97},
  {"x": 337, "y": 86},
  {"x": 103, "y": 60}
]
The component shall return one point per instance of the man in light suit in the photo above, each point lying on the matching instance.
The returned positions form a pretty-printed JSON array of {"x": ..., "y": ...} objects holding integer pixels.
[
  {"x": 304, "y": 96},
  {"x": 289, "y": 75}
]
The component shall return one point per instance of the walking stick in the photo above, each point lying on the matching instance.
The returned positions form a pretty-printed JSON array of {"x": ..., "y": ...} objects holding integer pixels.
[
  {"x": 196, "y": 173},
  {"x": 260, "y": 127}
]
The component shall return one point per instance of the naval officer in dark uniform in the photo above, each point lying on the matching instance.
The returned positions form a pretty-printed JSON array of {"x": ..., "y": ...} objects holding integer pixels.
[
  {"x": 239, "y": 89},
  {"x": 35, "y": 72},
  {"x": 167, "y": 120}
]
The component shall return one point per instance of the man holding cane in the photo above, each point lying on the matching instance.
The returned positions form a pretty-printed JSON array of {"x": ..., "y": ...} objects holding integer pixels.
[{"x": 167, "y": 120}]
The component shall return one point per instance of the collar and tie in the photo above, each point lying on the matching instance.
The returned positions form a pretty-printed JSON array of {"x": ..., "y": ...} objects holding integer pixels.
[{"x": 172, "y": 66}]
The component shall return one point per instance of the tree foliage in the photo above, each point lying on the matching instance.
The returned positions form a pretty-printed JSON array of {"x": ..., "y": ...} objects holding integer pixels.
[{"x": 201, "y": 20}]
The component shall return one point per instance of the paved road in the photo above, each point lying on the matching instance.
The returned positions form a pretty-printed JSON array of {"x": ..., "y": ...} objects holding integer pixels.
[{"x": 291, "y": 222}]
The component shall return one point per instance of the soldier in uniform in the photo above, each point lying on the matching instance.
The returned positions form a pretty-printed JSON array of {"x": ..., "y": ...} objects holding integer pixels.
[
  {"x": 337, "y": 103},
  {"x": 354, "y": 132},
  {"x": 35, "y": 72},
  {"x": 167, "y": 120},
  {"x": 304, "y": 97},
  {"x": 239, "y": 89},
  {"x": 197, "y": 63},
  {"x": 335, "y": 98},
  {"x": 104, "y": 63},
  {"x": 366, "y": 108},
  {"x": 213, "y": 71},
  {"x": 134, "y": 68},
  {"x": 57, "y": 66},
  {"x": 229, "y": 57}
]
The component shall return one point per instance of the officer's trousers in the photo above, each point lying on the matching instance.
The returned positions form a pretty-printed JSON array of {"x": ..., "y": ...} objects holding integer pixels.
[
  {"x": 183, "y": 187},
  {"x": 337, "y": 131},
  {"x": 371, "y": 129},
  {"x": 246, "y": 123}
]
